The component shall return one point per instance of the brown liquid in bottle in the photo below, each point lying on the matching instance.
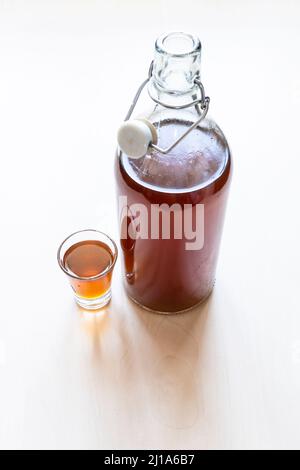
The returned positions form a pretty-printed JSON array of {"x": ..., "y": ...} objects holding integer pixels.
[
  {"x": 161, "y": 274},
  {"x": 88, "y": 259}
]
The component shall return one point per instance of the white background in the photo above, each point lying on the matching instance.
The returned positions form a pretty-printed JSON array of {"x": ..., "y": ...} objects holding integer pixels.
[{"x": 224, "y": 376}]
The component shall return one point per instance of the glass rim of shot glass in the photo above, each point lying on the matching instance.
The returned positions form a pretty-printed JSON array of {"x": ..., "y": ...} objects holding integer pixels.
[{"x": 109, "y": 268}]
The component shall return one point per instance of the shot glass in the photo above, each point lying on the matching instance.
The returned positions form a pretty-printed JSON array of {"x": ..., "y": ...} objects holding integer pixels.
[{"x": 88, "y": 258}]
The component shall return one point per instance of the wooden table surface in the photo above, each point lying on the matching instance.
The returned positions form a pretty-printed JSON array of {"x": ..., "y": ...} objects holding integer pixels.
[{"x": 226, "y": 375}]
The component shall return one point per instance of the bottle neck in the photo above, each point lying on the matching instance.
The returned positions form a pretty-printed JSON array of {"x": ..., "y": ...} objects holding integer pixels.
[{"x": 175, "y": 67}]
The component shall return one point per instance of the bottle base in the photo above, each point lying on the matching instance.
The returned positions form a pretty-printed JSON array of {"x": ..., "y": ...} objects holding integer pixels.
[{"x": 178, "y": 312}]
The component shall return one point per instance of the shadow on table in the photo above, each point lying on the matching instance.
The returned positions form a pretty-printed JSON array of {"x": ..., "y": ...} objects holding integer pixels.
[
  {"x": 175, "y": 345},
  {"x": 150, "y": 364}
]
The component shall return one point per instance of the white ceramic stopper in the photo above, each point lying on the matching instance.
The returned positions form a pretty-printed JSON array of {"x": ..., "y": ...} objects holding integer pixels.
[{"x": 134, "y": 138}]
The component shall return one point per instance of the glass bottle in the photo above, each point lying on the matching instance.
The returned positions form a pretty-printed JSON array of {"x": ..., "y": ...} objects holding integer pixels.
[{"x": 172, "y": 198}]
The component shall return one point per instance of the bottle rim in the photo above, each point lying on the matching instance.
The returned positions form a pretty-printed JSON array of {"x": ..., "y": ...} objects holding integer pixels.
[{"x": 178, "y": 44}]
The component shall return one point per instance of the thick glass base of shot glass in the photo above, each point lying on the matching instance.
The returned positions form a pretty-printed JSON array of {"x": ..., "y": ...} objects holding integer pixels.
[{"x": 95, "y": 303}]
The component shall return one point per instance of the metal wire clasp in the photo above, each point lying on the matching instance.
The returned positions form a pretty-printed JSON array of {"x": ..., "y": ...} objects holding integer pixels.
[{"x": 201, "y": 104}]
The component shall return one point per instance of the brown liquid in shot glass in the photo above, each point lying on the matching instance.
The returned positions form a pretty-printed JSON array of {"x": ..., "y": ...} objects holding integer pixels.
[{"x": 86, "y": 259}]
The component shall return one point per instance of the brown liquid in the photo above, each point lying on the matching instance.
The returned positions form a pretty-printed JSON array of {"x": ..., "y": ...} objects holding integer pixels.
[
  {"x": 87, "y": 259},
  {"x": 161, "y": 274}
]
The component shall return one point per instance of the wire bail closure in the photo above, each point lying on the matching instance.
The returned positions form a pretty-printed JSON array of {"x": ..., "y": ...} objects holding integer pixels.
[{"x": 201, "y": 104}]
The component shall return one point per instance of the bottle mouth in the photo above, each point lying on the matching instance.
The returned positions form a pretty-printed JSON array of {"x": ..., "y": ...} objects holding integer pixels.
[{"x": 178, "y": 44}]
